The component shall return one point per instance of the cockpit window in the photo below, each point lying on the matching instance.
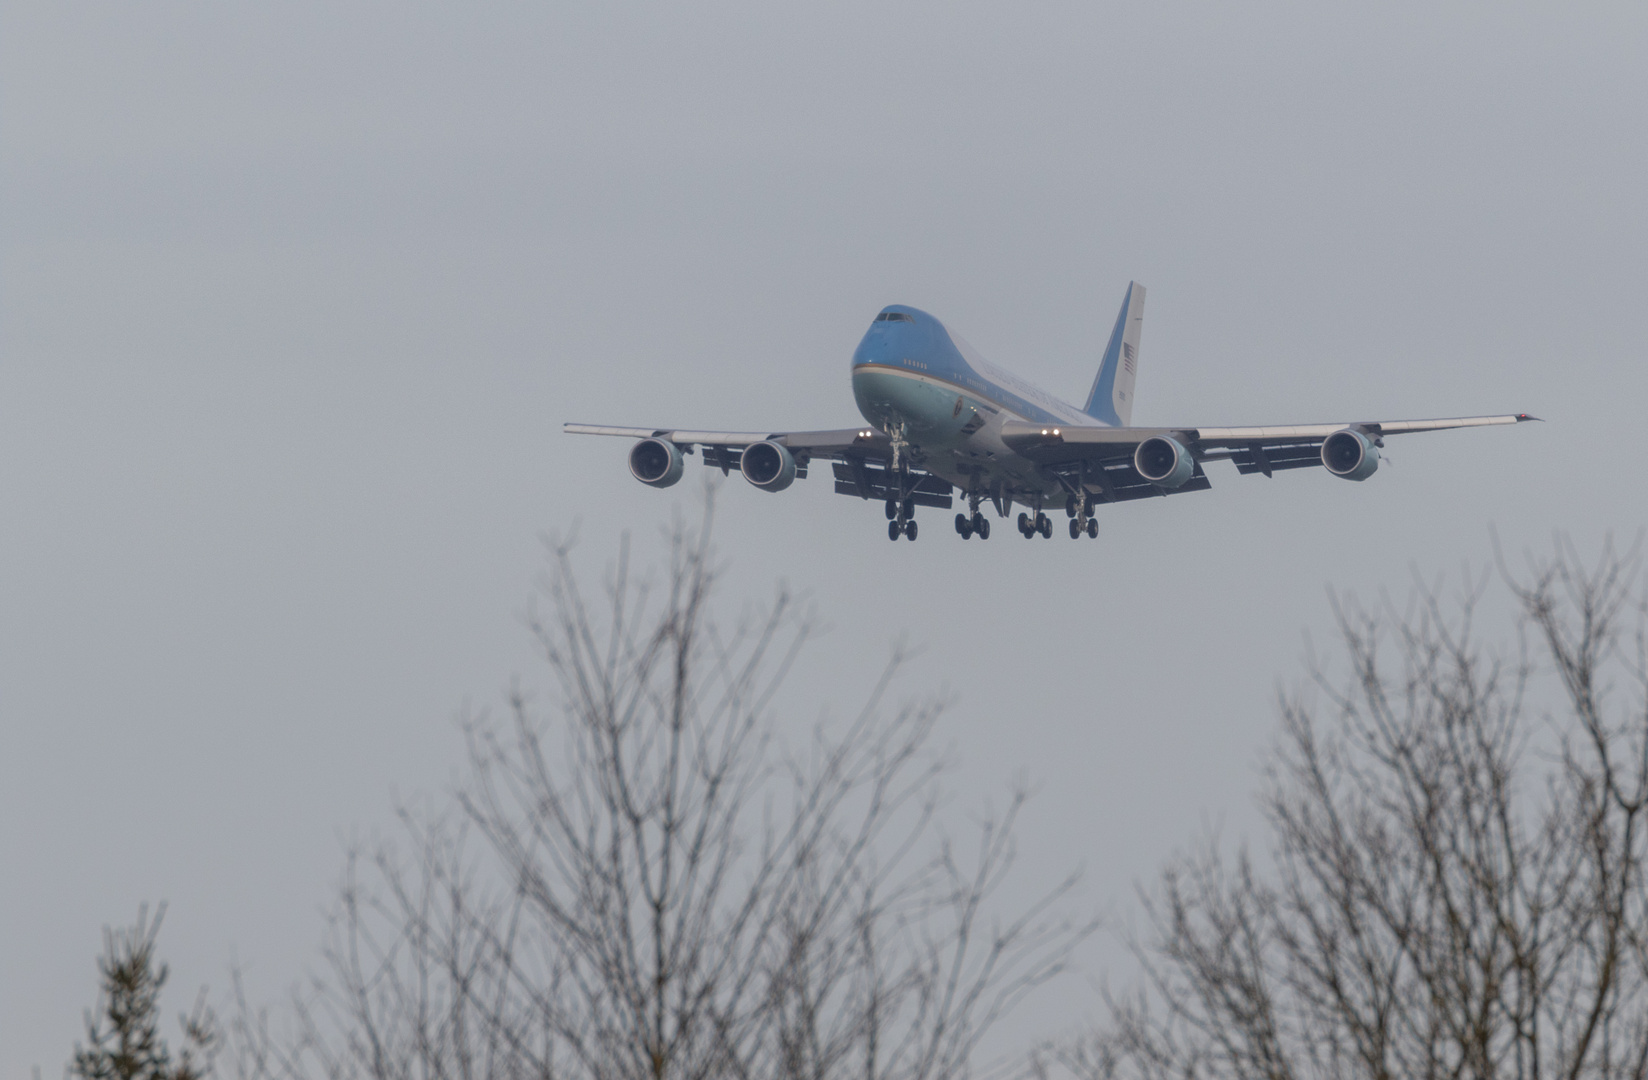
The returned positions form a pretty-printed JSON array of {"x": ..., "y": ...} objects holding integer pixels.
[{"x": 893, "y": 316}]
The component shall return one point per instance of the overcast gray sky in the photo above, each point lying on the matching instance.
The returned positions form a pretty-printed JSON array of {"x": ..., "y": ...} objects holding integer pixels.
[{"x": 294, "y": 299}]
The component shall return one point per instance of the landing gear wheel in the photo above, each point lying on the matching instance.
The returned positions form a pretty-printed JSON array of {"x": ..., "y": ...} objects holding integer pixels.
[
  {"x": 892, "y": 509},
  {"x": 909, "y": 508},
  {"x": 1025, "y": 527},
  {"x": 981, "y": 525},
  {"x": 1093, "y": 528},
  {"x": 894, "y": 528},
  {"x": 964, "y": 527},
  {"x": 1075, "y": 528},
  {"x": 1044, "y": 525},
  {"x": 1070, "y": 507},
  {"x": 910, "y": 528}
]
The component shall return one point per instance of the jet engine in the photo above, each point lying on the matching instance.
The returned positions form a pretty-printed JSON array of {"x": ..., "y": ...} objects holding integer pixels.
[
  {"x": 1164, "y": 462},
  {"x": 1350, "y": 455},
  {"x": 768, "y": 466},
  {"x": 656, "y": 462}
]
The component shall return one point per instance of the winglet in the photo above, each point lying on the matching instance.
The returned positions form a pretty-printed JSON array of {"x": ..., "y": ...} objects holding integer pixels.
[{"x": 1111, "y": 399}]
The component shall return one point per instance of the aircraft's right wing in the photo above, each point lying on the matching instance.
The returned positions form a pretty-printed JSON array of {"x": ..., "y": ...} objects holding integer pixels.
[
  {"x": 723, "y": 447},
  {"x": 861, "y": 457},
  {"x": 1107, "y": 458}
]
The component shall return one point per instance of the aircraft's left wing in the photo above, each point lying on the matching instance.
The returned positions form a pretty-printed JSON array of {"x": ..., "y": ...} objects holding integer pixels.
[{"x": 1123, "y": 458}]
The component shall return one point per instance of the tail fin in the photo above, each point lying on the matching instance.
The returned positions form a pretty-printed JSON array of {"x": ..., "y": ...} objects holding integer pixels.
[{"x": 1111, "y": 399}]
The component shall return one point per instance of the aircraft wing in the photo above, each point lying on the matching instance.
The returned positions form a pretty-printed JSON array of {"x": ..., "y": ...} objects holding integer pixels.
[
  {"x": 862, "y": 457},
  {"x": 854, "y": 448},
  {"x": 835, "y": 444},
  {"x": 1104, "y": 455}
]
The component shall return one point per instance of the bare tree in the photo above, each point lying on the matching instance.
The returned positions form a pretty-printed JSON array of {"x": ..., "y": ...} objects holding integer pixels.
[
  {"x": 645, "y": 884},
  {"x": 1454, "y": 889}
]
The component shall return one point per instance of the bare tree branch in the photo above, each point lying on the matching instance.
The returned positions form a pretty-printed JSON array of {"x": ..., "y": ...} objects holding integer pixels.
[
  {"x": 1436, "y": 906},
  {"x": 642, "y": 884}
]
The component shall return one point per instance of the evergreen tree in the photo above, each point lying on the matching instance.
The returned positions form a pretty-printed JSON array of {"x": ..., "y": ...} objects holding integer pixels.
[{"x": 123, "y": 1034}]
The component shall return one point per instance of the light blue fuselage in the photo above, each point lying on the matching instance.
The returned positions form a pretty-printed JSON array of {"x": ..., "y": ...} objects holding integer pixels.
[{"x": 911, "y": 374}]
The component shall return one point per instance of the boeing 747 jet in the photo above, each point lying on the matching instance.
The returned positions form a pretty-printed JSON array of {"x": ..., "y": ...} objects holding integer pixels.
[{"x": 943, "y": 424}]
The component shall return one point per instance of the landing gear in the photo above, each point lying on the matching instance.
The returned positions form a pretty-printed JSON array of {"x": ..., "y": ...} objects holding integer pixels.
[
  {"x": 1042, "y": 524},
  {"x": 973, "y": 523},
  {"x": 897, "y": 509},
  {"x": 900, "y": 445},
  {"x": 1080, "y": 512},
  {"x": 901, "y": 509}
]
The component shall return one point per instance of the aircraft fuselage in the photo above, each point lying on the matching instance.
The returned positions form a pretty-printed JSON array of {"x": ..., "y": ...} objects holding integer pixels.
[{"x": 913, "y": 377}]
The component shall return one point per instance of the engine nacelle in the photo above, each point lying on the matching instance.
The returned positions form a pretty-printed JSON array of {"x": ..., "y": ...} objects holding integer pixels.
[
  {"x": 1164, "y": 462},
  {"x": 656, "y": 462},
  {"x": 768, "y": 466},
  {"x": 1350, "y": 455}
]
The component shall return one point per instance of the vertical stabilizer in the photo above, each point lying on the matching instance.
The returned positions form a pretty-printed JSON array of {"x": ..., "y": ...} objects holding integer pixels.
[{"x": 1111, "y": 400}]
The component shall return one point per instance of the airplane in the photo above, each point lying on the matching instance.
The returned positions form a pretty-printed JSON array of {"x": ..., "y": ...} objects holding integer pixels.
[{"x": 943, "y": 423}]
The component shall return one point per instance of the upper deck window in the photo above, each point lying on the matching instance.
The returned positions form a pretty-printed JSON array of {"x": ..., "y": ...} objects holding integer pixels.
[{"x": 894, "y": 316}]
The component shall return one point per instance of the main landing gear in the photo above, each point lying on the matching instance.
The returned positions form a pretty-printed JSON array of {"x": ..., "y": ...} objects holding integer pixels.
[
  {"x": 901, "y": 518},
  {"x": 1041, "y": 523},
  {"x": 973, "y": 523},
  {"x": 1081, "y": 517}
]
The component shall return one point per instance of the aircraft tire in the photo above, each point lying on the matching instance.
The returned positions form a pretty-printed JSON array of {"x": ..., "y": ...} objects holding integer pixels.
[
  {"x": 1044, "y": 525},
  {"x": 893, "y": 530},
  {"x": 981, "y": 525},
  {"x": 910, "y": 528},
  {"x": 964, "y": 528},
  {"x": 1093, "y": 528},
  {"x": 1075, "y": 528},
  {"x": 909, "y": 508},
  {"x": 892, "y": 509}
]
